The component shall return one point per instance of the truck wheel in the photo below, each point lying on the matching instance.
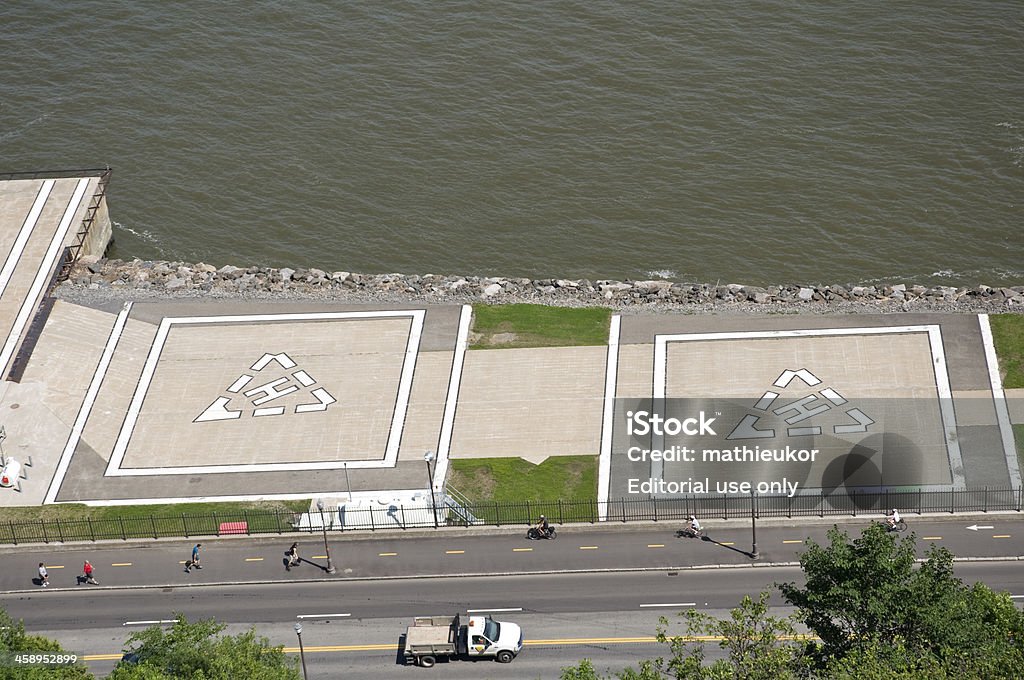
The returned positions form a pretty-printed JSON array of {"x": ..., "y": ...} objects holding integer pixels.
[
  {"x": 427, "y": 661},
  {"x": 504, "y": 656}
]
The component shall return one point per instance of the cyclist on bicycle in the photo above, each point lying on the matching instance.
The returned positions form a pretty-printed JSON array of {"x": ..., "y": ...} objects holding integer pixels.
[
  {"x": 695, "y": 526},
  {"x": 893, "y": 519}
]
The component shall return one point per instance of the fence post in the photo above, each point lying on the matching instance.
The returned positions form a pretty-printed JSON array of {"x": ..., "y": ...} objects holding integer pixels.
[
  {"x": 14, "y": 536},
  {"x": 216, "y": 523},
  {"x": 184, "y": 525},
  {"x": 985, "y": 502},
  {"x": 124, "y": 535},
  {"x": 654, "y": 501},
  {"x": 789, "y": 508},
  {"x": 401, "y": 508},
  {"x": 821, "y": 503},
  {"x": 952, "y": 501},
  {"x": 920, "y": 507},
  {"x": 92, "y": 534},
  {"x": 560, "y": 520},
  {"x": 46, "y": 539},
  {"x": 622, "y": 505},
  {"x": 529, "y": 515},
  {"x": 497, "y": 515},
  {"x": 853, "y": 499},
  {"x": 277, "y": 518},
  {"x": 373, "y": 527},
  {"x": 245, "y": 518},
  {"x": 152, "y": 523}
]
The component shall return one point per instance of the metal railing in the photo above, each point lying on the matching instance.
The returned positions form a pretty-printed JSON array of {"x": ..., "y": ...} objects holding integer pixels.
[
  {"x": 75, "y": 249},
  {"x": 824, "y": 504},
  {"x": 53, "y": 174}
]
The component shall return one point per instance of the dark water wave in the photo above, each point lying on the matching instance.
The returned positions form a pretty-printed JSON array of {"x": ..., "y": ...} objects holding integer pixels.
[{"x": 784, "y": 141}]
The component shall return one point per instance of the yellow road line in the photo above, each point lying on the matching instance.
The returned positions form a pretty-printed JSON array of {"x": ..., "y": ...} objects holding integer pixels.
[
  {"x": 318, "y": 557},
  {"x": 727, "y": 543},
  {"x": 121, "y": 564},
  {"x": 792, "y": 541},
  {"x": 931, "y": 538},
  {"x": 54, "y": 566},
  {"x": 386, "y": 554},
  {"x": 253, "y": 559},
  {"x": 655, "y": 545},
  {"x": 1001, "y": 536},
  {"x": 454, "y": 552},
  {"x": 588, "y": 547},
  {"x": 522, "y": 549}
]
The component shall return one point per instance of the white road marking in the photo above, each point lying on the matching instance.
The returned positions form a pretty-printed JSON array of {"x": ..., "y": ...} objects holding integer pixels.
[
  {"x": 604, "y": 466},
  {"x": 87, "y": 403},
  {"x": 148, "y": 623},
  {"x": 322, "y": 616},
  {"x": 999, "y": 398},
  {"x": 672, "y": 604},
  {"x": 444, "y": 441},
  {"x": 483, "y": 611}
]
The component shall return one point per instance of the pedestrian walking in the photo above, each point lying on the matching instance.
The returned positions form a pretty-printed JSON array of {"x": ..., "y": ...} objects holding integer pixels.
[
  {"x": 194, "y": 561},
  {"x": 44, "y": 578},
  {"x": 87, "y": 574},
  {"x": 293, "y": 556}
]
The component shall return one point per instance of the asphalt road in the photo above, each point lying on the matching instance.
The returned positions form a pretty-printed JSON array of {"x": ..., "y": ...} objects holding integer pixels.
[
  {"x": 351, "y": 628},
  {"x": 595, "y": 592}
]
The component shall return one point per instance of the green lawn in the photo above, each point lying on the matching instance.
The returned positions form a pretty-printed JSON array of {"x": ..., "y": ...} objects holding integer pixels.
[
  {"x": 513, "y": 490},
  {"x": 521, "y": 325},
  {"x": 1008, "y": 334},
  {"x": 68, "y": 522}
]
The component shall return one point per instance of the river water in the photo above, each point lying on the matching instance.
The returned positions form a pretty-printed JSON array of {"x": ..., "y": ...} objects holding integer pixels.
[{"x": 751, "y": 142}]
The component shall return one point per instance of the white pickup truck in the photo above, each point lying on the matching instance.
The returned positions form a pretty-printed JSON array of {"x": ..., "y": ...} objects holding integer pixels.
[{"x": 432, "y": 637}]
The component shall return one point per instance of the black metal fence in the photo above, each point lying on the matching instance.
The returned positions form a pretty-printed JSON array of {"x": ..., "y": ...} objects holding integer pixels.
[{"x": 399, "y": 517}]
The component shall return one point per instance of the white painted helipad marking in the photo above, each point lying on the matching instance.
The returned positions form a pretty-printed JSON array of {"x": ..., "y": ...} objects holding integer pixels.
[
  {"x": 324, "y": 400},
  {"x": 390, "y": 457},
  {"x": 268, "y": 411},
  {"x": 217, "y": 411},
  {"x": 999, "y": 399},
  {"x": 303, "y": 378},
  {"x": 43, "y": 273},
  {"x": 23, "y": 235},
  {"x": 787, "y": 377},
  {"x": 87, "y": 403},
  {"x": 242, "y": 381},
  {"x": 672, "y": 604},
  {"x": 444, "y": 442},
  {"x": 945, "y": 393},
  {"x": 483, "y": 611},
  {"x": 322, "y": 616},
  {"x": 604, "y": 466}
]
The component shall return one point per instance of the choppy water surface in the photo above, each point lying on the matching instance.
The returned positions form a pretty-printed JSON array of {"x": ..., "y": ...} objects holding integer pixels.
[{"x": 755, "y": 142}]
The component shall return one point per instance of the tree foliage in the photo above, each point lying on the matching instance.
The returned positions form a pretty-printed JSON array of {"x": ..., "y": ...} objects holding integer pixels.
[
  {"x": 14, "y": 640},
  {"x": 197, "y": 651}
]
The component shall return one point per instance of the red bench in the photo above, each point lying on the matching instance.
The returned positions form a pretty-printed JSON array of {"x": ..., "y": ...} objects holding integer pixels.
[{"x": 233, "y": 528}]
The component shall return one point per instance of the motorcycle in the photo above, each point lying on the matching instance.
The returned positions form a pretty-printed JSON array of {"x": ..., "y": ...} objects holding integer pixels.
[{"x": 534, "y": 534}]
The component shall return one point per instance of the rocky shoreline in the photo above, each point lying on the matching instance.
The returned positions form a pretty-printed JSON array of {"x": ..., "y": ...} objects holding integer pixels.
[{"x": 97, "y": 279}]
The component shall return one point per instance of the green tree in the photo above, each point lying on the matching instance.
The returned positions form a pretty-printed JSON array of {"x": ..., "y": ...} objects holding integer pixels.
[
  {"x": 14, "y": 640},
  {"x": 873, "y": 609},
  {"x": 197, "y": 651}
]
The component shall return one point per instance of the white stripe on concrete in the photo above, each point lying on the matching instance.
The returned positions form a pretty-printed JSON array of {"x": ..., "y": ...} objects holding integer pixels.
[
  {"x": 322, "y": 616},
  {"x": 956, "y": 462},
  {"x": 26, "y": 231},
  {"x": 444, "y": 442},
  {"x": 87, "y": 403},
  {"x": 604, "y": 469},
  {"x": 149, "y": 623},
  {"x": 43, "y": 274},
  {"x": 226, "y": 499},
  {"x": 999, "y": 399},
  {"x": 149, "y": 369},
  {"x": 672, "y": 604}
]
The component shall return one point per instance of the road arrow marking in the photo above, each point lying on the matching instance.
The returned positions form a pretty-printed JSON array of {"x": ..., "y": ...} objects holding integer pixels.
[{"x": 975, "y": 527}]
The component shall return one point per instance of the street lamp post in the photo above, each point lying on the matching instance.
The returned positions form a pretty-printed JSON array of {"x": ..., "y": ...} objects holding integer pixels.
[
  {"x": 753, "y": 525},
  {"x": 323, "y": 525},
  {"x": 302, "y": 652},
  {"x": 429, "y": 456}
]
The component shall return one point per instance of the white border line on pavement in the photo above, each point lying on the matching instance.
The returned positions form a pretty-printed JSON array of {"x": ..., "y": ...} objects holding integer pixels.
[
  {"x": 87, "y": 403},
  {"x": 444, "y": 441},
  {"x": 945, "y": 394},
  {"x": 23, "y": 235},
  {"x": 999, "y": 400},
  {"x": 149, "y": 369},
  {"x": 322, "y": 616},
  {"x": 483, "y": 611},
  {"x": 604, "y": 469},
  {"x": 672, "y": 604},
  {"x": 43, "y": 274}
]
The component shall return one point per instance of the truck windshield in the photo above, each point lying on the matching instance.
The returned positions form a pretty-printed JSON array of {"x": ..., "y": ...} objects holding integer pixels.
[{"x": 491, "y": 629}]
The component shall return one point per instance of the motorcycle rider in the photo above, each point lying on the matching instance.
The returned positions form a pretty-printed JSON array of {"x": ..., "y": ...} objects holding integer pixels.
[{"x": 543, "y": 530}]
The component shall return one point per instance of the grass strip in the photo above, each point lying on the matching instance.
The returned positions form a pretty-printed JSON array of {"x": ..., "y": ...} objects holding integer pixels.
[
  {"x": 525, "y": 325},
  {"x": 1008, "y": 334}
]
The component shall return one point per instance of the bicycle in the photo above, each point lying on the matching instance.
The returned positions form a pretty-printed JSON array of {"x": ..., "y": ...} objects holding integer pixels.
[
  {"x": 898, "y": 527},
  {"x": 690, "y": 532}
]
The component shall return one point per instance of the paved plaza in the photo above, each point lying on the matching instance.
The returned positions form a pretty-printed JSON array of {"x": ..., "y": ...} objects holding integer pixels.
[{"x": 217, "y": 399}]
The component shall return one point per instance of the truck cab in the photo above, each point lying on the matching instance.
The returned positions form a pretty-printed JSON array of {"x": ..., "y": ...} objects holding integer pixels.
[{"x": 487, "y": 637}]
